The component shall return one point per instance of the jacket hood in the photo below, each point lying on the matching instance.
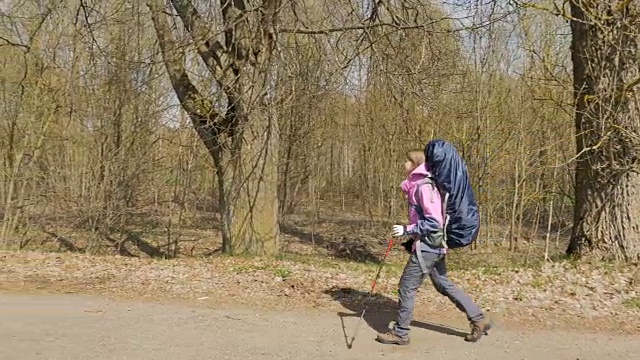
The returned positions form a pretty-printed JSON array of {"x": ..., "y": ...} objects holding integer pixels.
[{"x": 415, "y": 176}]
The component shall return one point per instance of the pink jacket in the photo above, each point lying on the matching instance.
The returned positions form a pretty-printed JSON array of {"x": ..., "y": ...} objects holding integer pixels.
[{"x": 430, "y": 203}]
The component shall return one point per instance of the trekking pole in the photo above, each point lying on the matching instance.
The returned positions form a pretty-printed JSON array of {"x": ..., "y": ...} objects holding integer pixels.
[{"x": 373, "y": 286}]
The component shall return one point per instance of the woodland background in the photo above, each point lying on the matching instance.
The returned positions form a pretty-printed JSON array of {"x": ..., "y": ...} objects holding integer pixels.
[{"x": 99, "y": 156}]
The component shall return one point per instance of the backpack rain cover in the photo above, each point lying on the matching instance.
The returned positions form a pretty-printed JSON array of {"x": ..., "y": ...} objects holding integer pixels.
[{"x": 450, "y": 173}]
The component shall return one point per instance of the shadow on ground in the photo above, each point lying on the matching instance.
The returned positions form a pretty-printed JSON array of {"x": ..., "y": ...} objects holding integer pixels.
[
  {"x": 381, "y": 310},
  {"x": 342, "y": 247}
]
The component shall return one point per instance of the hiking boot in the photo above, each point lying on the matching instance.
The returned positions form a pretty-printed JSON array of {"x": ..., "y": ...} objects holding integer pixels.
[
  {"x": 478, "y": 329},
  {"x": 391, "y": 338}
]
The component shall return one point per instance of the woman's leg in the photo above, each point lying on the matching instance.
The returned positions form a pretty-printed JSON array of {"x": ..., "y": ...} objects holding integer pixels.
[
  {"x": 411, "y": 279},
  {"x": 442, "y": 283}
]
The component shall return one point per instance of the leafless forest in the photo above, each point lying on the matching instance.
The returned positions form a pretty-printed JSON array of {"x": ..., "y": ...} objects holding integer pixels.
[{"x": 186, "y": 128}]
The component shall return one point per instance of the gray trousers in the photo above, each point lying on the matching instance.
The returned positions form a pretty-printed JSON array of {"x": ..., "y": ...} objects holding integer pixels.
[{"x": 413, "y": 277}]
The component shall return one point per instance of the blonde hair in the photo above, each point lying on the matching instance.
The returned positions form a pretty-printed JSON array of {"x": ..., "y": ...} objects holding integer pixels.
[{"x": 416, "y": 156}]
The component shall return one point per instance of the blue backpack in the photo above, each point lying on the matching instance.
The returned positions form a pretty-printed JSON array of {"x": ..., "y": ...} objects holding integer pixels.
[{"x": 450, "y": 174}]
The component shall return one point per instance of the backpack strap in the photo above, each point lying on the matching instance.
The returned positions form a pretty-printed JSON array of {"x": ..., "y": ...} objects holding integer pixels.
[
  {"x": 417, "y": 196},
  {"x": 445, "y": 217},
  {"x": 445, "y": 198}
]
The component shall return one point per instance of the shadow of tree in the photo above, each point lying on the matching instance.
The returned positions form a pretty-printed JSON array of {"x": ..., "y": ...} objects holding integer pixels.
[
  {"x": 64, "y": 242},
  {"x": 344, "y": 248},
  {"x": 145, "y": 246},
  {"x": 381, "y": 310},
  {"x": 119, "y": 247}
]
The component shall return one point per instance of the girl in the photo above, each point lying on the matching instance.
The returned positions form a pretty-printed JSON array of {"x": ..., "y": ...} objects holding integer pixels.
[{"x": 428, "y": 249}]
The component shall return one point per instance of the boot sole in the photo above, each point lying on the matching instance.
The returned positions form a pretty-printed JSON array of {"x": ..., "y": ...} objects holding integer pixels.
[{"x": 399, "y": 343}]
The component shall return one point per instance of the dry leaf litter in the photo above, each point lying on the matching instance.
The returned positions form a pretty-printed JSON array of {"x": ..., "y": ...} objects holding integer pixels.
[{"x": 554, "y": 295}]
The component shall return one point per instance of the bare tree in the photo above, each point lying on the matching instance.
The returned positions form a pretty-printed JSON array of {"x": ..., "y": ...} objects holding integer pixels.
[{"x": 241, "y": 135}]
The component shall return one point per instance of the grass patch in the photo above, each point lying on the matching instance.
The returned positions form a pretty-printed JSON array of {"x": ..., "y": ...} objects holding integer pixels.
[
  {"x": 491, "y": 270},
  {"x": 519, "y": 296},
  {"x": 330, "y": 263},
  {"x": 539, "y": 282},
  {"x": 283, "y": 272},
  {"x": 632, "y": 303},
  {"x": 247, "y": 268},
  {"x": 489, "y": 262}
]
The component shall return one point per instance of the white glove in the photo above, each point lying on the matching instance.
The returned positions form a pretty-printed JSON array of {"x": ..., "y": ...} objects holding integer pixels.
[{"x": 399, "y": 230}]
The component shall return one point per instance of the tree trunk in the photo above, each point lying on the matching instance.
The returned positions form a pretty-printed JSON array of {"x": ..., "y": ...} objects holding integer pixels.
[
  {"x": 241, "y": 136},
  {"x": 252, "y": 183},
  {"x": 604, "y": 52}
]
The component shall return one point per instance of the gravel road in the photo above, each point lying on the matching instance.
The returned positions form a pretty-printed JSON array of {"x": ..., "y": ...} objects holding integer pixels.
[{"x": 37, "y": 326}]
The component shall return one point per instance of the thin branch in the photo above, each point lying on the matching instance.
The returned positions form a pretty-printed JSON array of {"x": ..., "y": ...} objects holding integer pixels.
[
  {"x": 206, "y": 44},
  {"x": 394, "y": 25},
  {"x": 196, "y": 105},
  {"x": 15, "y": 44},
  {"x": 355, "y": 27}
]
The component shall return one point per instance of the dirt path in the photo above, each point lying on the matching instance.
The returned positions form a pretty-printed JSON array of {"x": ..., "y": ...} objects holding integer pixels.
[{"x": 37, "y": 326}]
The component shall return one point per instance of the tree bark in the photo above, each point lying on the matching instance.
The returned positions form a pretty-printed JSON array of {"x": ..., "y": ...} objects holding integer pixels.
[
  {"x": 253, "y": 183},
  {"x": 242, "y": 136},
  {"x": 604, "y": 52}
]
